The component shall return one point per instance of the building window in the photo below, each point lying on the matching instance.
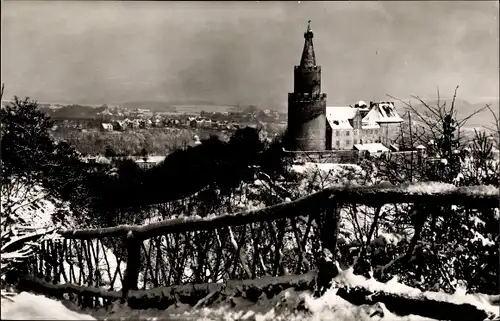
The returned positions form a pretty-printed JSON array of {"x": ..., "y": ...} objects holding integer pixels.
[
  {"x": 337, "y": 143},
  {"x": 355, "y": 141},
  {"x": 369, "y": 131},
  {"x": 355, "y": 132},
  {"x": 347, "y": 133},
  {"x": 337, "y": 133},
  {"x": 348, "y": 142}
]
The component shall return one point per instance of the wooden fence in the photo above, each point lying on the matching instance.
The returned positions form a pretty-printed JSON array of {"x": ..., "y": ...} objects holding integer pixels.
[{"x": 288, "y": 238}]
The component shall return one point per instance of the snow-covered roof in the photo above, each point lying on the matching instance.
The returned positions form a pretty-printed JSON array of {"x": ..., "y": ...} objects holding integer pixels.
[
  {"x": 383, "y": 113},
  {"x": 338, "y": 117},
  {"x": 151, "y": 159},
  {"x": 97, "y": 159},
  {"x": 394, "y": 147},
  {"x": 341, "y": 112},
  {"x": 372, "y": 148}
]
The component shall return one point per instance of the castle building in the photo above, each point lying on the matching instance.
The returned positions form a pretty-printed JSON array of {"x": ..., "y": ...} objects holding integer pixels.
[
  {"x": 312, "y": 126},
  {"x": 351, "y": 126},
  {"x": 307, "y": 105}
]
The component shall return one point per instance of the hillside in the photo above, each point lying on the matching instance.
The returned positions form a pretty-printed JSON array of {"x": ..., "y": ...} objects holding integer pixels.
[
  {"x": 154, "y": 106},
  {"x": 73, "y": 111}
]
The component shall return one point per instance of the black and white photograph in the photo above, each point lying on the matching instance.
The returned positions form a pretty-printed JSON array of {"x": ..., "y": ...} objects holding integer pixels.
[{"x": 250, "y": 160}]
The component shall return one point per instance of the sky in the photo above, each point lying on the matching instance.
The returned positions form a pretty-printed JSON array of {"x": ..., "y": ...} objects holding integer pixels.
[{"x": 244, "y": 52}]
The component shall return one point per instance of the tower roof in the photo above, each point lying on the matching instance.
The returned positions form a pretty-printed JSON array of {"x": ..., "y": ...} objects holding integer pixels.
[{"x": 308, "y": 56}]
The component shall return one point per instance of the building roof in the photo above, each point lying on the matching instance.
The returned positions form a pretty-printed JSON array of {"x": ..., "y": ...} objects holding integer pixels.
[
  {"x": 338, "y": 117},
  {"x": 372, "y": 148},
  {"x": 150, "y": 159},
  {"x": 97, "y": 159},
  {"x": 383, "y": 113},
  {"x": 361, "y": 103}
]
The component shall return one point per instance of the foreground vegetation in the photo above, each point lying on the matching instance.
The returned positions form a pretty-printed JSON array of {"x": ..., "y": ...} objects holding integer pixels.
[{"x": 456, "y": 250}]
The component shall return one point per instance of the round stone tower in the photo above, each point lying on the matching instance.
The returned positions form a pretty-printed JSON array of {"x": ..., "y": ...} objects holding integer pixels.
[{"x": 307, "y": 105}]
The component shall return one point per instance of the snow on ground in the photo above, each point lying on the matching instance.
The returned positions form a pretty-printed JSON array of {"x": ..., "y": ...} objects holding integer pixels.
[
  {"x": 30, "y": 206},
  {"x": 281, "y": 307},
  {"x": 27, "y": 306},
  {"x": 325, "y": 167},
  {"x": 287, "y": 305},
  {"x": 348, "y": 278},
  {"x": 33, "y": 208},
  {"x": 106, "y": 261}
]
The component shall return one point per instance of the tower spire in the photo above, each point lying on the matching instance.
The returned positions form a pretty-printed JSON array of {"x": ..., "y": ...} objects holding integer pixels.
[{"x": 308, "y": 57}]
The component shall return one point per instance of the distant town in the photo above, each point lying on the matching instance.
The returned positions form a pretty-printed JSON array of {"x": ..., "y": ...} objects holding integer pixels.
[{"x": 109, "y": 118}]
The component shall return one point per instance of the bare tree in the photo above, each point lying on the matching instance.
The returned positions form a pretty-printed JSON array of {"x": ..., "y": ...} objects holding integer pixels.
[
  {"x": 440, "y": 131},
  {"x": 495, "y": 129}
]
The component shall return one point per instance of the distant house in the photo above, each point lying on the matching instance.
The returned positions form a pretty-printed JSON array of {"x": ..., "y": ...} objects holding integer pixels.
[
  {"x": 136, "y": 123},
  {"x": 96, "y": 160},
  {"x": 105, "y": 112},
  {"x": 157, "y": 121},
  {"x": 192, "y": 122},
  {"x": 119, "y": 125},
  {"x": 148, "y": 162},
  {"x": 144, "y": 113},
  {"x": 106, "y": 127},
  {"x": 196, "y": 141},
  {"x": 128, "y": 124}
]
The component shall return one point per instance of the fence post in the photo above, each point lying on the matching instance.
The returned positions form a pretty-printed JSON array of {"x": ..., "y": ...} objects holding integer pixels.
[
  {"x": 329, "y": 225},
  {"x": 131, "y": 276}
]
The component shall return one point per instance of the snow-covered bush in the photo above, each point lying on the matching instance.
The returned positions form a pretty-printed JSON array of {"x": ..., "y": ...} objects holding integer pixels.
[{"x": 456, "y": 245}]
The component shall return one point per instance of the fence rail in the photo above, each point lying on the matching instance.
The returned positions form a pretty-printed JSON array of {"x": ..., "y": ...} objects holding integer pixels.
[{"x": 283, "y": 239}]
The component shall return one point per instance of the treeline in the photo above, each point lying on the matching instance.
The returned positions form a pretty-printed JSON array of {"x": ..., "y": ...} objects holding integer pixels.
[
  {"x": 156, "y": 141},
  {"x": 214, "y": 163},
  {"x": 74, "y": 111}
]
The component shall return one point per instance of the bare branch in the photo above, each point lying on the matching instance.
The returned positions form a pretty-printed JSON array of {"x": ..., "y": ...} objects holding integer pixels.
[{"x": 454, "y": 99}]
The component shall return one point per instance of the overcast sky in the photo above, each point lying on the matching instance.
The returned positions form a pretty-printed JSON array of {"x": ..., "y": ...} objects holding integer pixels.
[{"x": 244, "y": 52}]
